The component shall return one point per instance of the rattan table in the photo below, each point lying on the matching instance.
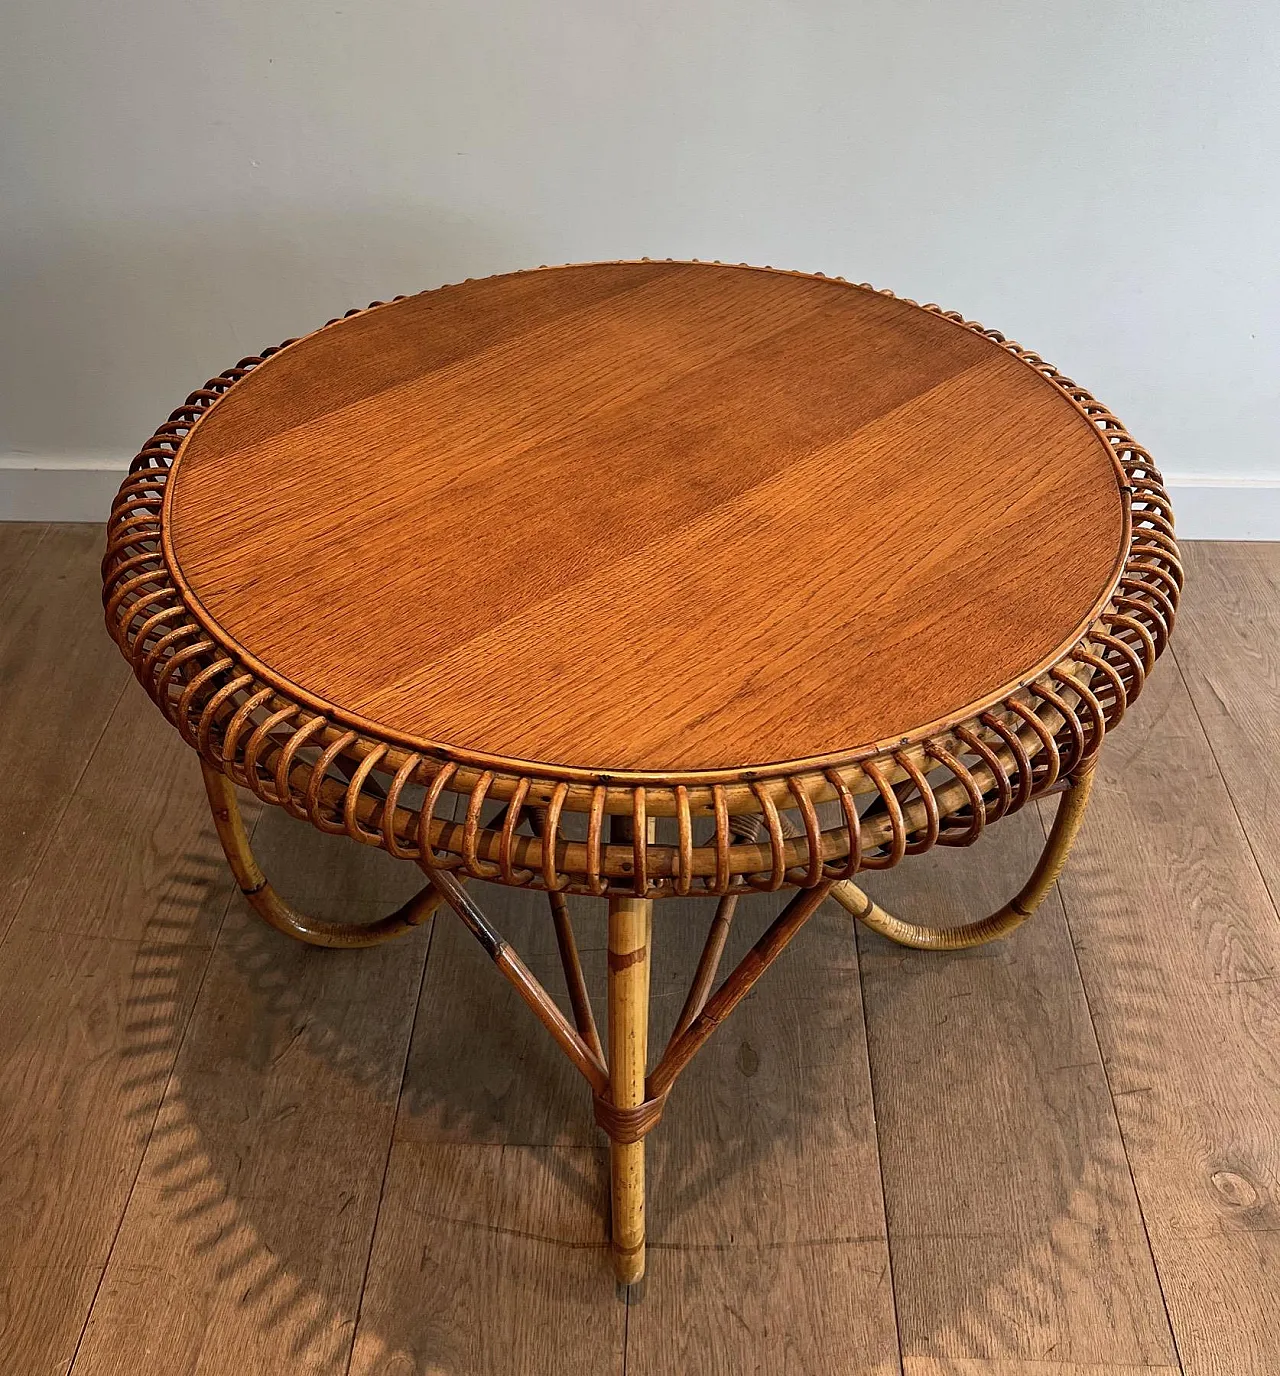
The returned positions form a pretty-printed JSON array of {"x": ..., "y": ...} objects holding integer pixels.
[{"x": 640, "y": 581}]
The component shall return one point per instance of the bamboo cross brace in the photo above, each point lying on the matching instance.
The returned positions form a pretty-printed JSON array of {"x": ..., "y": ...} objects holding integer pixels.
[
  {"x": 688, "y": 1040},
  {"x": 579, "y": 997},
  {"x": 523, "y": 979}
]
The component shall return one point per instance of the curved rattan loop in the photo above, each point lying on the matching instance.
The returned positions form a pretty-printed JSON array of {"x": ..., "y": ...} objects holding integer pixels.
[
  {"x": 204, "y": 733},
  {"x": 1004, "y": 787},
  {"x": 550, "y": 830},
  {"x": 256, "y": 774},
  {"x": 511, "y": 820},
  {"x": 892, "y": 811},
  {"x": 471, "y": 862},
  {"x": 812, "y": 834},
  {"x": 722, "y": 840},
  {"x": 924, "y": 838},
  {"x": 595, "y": 835},
  {"x": 970, "y": 820},
  {"x": 1073, "y": 726},
  {"x": 319, "y": 773},
  {"x": 427, "y": 822},
  {"x": 1128, "y": 660},
  {"x": 240, "y": 720},
  {"x": 684, "y": 842},
  {"x": 283, "y": 749},
  {"x": 1052, "y": 762},
  {"x": 852, "y": 826},
  {"x": 387, "y": 821},
  {"x": 1024, "y": 771},
  {"x": 1095, "y": 722},
  {"x": 777, "y": 843},
  {"x": 350, "y": 819},
  {"x": 284, "y": 765}
]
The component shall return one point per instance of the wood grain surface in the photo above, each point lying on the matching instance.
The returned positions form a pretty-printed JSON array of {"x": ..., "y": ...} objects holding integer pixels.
[
  {"x": 48, "y": 613},
  {"x": 1179, "y": 947},
  {"x": 1229, "y": 651},
  {"x": 646, "y": 516},
  {"x": 98, "y": 975},
  {"x": 256, "y": 1199}
]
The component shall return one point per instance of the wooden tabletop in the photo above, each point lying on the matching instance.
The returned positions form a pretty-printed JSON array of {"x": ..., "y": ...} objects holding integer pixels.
[{"x": 656, "y": 516}]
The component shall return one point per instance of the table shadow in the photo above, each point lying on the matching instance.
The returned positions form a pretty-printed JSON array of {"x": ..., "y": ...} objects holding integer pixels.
[{"x": 980, "y": 1313}]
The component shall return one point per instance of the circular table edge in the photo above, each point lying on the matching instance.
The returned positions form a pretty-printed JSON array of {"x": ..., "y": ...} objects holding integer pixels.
[{"x": 1146, "y": 512}]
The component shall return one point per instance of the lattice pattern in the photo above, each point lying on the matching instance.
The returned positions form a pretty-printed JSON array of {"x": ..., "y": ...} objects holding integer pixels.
[{"x": 938, "y": 790}]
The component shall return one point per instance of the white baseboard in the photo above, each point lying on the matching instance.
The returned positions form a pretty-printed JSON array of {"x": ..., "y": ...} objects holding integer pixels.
[
  {"x": 1224, "y": 508},
  {"x": 55, "y": 487},
  {"x": 80, "y": 488}
]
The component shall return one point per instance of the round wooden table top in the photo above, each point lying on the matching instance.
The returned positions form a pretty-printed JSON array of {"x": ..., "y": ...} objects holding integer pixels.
[{"x": 655, "y": 517}]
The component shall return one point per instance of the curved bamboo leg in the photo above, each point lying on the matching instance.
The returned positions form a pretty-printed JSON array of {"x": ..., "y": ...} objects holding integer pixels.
[
  {"x": 630, "y": 936},
  {"x": 1066, "y": 823},
  {"x": 281, "y": 915}
]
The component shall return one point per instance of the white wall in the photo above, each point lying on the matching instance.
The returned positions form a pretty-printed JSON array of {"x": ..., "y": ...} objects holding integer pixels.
[{"x": 186, "y": 182}]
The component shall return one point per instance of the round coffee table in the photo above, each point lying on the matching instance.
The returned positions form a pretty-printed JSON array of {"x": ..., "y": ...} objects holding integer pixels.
[{"x": 643, "y": 580}]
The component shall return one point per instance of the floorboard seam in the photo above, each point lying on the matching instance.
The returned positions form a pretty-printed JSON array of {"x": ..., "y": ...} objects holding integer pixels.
[
  {"x": 1217, "y": 764},
  {"x": 1115, "y": 1114},
  {"x": 55, "y": 822},
  {"x": 875, "y": 1118},
  {"x": 391, "y": 1144},
  {"x": 160, "y": 1103},
  {"x": 21, "y": 570}
]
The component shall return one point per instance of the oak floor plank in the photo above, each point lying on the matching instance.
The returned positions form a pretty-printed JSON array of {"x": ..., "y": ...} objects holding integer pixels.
[
  {"x": 961, "y": 1366},
  {"x": 19, "y": 541},
  {"x": 245, "y": 1241},
  {"x": 1016, "y": 1236},
  {"x": 137, "y": 824},
  {"x": 491, "y": 1253},
  {"x": 1228, "y": 647},
  {"x": 765, "y": 1213},
  {"x": 60, "y": 677},
  {"x": 493, "y": 1259},
  {"x": 98, "y": 975},
  {"x": 1179, "y": 948},
  {"x": 89, "y": 1027}
]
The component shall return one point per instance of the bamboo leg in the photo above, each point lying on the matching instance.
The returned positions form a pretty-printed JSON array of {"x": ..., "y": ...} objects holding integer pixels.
[
  {"x": 1066, "y": 824},
  {"x": 630, "y": 935},
  {"x": 575, "y": 981},
  {"x": 283, "y": 916},
  {"x": 708, "y": 963},
  {"x": 509, "y": 964},
  {"x": 735, "y": 987}
]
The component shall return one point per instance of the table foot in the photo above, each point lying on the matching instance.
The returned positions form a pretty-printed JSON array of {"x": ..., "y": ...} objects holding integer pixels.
[
  {"x": 275, "y": 910},
  {"x": 1053, "y": 858}
]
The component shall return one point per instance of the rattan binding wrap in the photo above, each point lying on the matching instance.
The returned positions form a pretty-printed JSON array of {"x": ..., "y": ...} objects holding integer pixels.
[{"x": 939, "y": 787}]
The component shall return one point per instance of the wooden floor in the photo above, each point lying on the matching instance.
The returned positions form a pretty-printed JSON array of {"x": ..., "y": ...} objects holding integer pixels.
[{"x": 221, "y": 1152}]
